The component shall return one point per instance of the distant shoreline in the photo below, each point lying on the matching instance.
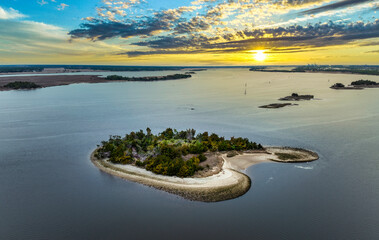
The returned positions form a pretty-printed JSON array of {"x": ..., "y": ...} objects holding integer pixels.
[
  {"x": 331, "y": 72},
  {"x": 52, "y": 81},
  {"x": 61, "y": 80},
  {"x": 228, "y": 183}
]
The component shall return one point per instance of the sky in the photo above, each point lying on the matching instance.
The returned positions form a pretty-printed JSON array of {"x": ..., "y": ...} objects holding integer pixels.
[{"x": 189, "y": 32}]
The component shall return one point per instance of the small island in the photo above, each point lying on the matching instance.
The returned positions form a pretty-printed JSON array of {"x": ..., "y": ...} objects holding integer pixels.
[
  {"x": 148, "y": 79},
  {"x": 296, "y": 97},
  {"x": 356, "y": 85},
  {"x": 277, "y": 105},
  {"x": 21, "y": 85},
  {"x": 203, "y": 167}
]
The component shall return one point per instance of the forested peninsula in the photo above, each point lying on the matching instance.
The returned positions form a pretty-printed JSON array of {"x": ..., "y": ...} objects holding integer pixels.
[{"x": 201, "y": 167}]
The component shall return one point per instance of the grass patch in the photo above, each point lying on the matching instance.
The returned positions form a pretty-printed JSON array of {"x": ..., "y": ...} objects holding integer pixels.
[{"x": 287, "y": 156}]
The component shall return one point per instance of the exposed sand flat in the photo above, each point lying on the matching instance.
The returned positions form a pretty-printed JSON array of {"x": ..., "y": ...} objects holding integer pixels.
[
  {"x": 54, "y": 80},
  {"x": 227, "y": 184},
  {"x": 245, "y": 160}
]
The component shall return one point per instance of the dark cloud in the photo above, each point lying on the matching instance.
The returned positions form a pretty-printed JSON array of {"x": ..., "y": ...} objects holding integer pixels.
[
  {"x": 370, "y": 44},
  {"x": 317, "y": 35},
  {"x": 196, "y": 24},
  {"x": 333, "y": 6},
  {"x": 105, "y": 29},
  {"x": 212, "y": 51}
]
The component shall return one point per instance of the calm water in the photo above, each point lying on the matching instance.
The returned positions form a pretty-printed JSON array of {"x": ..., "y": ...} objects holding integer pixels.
[{"x": 50, "y": 190}]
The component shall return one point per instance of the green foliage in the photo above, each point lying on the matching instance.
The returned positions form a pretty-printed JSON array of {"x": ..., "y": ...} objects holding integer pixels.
[
  {"x": 338, "y": 85},
  {"x": 22, "y": 85},
  {"x": 363, "y": 82},
  {"x": 163, "y": 153},
  {"x": 147, "y": 79},
  {"x": 202, "y": 158}
]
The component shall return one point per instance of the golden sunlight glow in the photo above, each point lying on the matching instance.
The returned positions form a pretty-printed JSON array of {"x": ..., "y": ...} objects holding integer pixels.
[{"x": 260, "y": 55}]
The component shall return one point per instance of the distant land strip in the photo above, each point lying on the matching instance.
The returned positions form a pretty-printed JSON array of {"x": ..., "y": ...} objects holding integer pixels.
[
  {"x": 363, "y": 70},
  {"x": 60, "y": 80}
]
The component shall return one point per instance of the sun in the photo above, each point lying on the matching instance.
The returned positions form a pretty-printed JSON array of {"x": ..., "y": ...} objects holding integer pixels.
[{"x": 260, "y": 55}]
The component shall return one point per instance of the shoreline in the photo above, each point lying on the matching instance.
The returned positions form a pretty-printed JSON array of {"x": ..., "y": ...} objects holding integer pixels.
[
  {"x": 52, "y": 81},
  {"x": 228, "y": 183},
  {"x": 62, "y": 80},
  {"x": 331, "y": 72}
]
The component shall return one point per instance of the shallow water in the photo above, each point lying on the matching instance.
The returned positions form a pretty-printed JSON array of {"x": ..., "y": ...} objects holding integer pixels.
[{"x": 50, "y": 190}]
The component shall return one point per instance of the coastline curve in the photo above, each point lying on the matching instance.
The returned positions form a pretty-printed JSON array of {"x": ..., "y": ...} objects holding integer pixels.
[{"x": 229, "y": 183}]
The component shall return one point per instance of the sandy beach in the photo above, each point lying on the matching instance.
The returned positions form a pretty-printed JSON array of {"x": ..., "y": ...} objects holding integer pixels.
[{"x": 226, "y": 184}]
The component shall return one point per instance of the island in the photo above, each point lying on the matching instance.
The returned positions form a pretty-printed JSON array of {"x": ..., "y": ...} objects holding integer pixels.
[
  {"x": 356, "y": 85},
  {"x": 200, "y": 167},
  {"x": 278, "y": 105},
  {"x": 297, "y": 97},
  {"x": 340, "y": 86},
  {"x": 149, "y": 79},
  {"x": 365, "y": 84}
]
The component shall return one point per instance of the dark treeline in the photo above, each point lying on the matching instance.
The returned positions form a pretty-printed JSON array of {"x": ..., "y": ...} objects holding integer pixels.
[
  {"x": 163, "y": 153},
  {"x": 264, "y": 69},
  {"x": 364, "y": 82},
  {"x": 5, "y": 69},
  {"x": 158, "y": 78},
  {"x": 124, "y": 68},
  {"x": 356, "y": 69},
  {"x": 22, "y": 85},
  {"x": 359, "y": 84}
]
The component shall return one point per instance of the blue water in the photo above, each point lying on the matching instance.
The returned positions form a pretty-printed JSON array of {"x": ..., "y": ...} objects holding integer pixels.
[{"x": 50, "y": 190}]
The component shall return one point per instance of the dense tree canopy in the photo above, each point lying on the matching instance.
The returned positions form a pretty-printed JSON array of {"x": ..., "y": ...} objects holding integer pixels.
[
  {"x": 163, "y": 153},
  {"x": 148, "y": 79},
  {"x": 363, "y": 82},
  {"x": 22, "y": 85}
]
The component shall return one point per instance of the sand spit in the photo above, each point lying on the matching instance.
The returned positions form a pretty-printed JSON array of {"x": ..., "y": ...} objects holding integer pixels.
[
  {"x": 51, "y": 81},
  {"x": 227, "y": 184}
]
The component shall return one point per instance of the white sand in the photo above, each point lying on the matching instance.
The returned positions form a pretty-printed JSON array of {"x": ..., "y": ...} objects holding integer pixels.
[{"x": 227, "y": 184}]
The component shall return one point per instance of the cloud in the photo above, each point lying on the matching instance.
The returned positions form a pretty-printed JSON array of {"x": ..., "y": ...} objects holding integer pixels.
[
  {"x": 10, "y": 14},
  {"x": 218, "y": 26},
  {"x": 42, "y": 2},
  {"x": 62, "y": 6},
  {"x": 102, "y": 29},
  {"x": 278, "y": 39},
  {"x": 120, "y": 19},
  {"x": 333, "y": 6},
  {"x": 374, "y": 51}
]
